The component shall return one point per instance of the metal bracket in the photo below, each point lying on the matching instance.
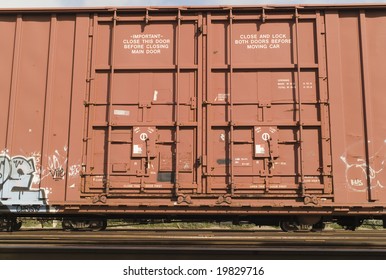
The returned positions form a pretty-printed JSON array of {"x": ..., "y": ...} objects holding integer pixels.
[
  {"x": 144, "y": 105},
  {"x": 263, "y": 16},
  {"x": 193, "y": 103},
  {"x": 99, "y": 198},
  {"x": 311, "y": 199},
  {"x": 227, "y": 199},
  {"x": 184, "y": 199}
]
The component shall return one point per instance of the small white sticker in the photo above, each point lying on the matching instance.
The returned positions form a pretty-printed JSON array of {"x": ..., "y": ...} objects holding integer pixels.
[
  {"x": 121, "y": 113},
  {"x": 259, "y": 149},
  {"x": 221, "y": 97},
  {"x": 98, "y": 178},
  {"x": 137, "y": 149},
  {"x": 155, "y": 96}
]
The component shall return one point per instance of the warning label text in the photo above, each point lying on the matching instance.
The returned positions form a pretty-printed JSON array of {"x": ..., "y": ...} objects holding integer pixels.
[
  {"x": 146, "y": 43},
  {"x": 263, "y": 41}
]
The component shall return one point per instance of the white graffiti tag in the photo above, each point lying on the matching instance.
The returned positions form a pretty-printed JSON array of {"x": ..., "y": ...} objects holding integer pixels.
[
  {"x": 57, "y": 166},
  {"x": 359, "y": 174},
  {"x": 74, "y": 170}
]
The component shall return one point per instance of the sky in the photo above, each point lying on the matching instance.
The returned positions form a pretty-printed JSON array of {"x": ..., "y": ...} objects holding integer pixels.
[{"x": 93, "y": 3}]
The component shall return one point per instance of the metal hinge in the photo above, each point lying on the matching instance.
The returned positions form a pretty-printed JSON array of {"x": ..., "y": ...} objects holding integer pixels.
[
  {"x": 91, "y": 28},
  {"x": 193, "y": 103},
  {"x": 87, "y": 104},
  {"x": 202, "y": 30},
  {"x": 91, "y": 31},
  {"x": 263, "y": 16}
]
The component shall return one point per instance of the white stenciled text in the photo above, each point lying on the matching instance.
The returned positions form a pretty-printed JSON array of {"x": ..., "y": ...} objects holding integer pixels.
[
  {"x": 263, "y": 41},
  {"x": 146, "y": 43}
]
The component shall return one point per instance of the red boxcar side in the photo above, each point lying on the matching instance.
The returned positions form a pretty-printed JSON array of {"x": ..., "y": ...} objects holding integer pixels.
[{"x": 194, "y": 111}]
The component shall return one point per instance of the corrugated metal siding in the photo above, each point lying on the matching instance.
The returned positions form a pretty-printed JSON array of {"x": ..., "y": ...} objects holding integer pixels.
[{"x": 239, "y": 107}]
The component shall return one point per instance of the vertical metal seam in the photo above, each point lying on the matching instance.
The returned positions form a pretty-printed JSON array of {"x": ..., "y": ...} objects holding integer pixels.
[
  {"x": 177, "y": 102},
  {"x": 299, "y": 103},
  {"x": 14, "y": 78},
  {"x": 365, "y": 98},
  {"x": 48, "y": 94},
  {"x": 110, "y": 103},
  {"x": 199, "y": 111},
  {"x": 336, "y": 97},
  {"x": 70, "y": 107},
  {"x": 87, "y": 158},
  {"x": 323, "y": 98},
  {"x": 230, "y": 95},
  {"x": 13, "y": 88},
  {"x": 207, "y": 159}
]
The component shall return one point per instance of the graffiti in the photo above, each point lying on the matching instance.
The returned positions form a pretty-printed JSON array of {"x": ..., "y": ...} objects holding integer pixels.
[
  {"x": 359, "y": 173},
  {"x": 57, "y": 173},
  {"x": 57, "y": 164},
  {"x": 28, "y": 208},
  {"x": 55, "y": 167},
  {"x": 74, "y": 170},
  {"x": 16, "y": 180},
  {"x": 21, "y": 178}
]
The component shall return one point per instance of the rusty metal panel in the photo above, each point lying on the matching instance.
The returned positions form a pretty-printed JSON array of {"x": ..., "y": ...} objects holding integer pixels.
[
  {"x": 38, "y": 92},
  {"x": 358, "y": 138},
  {"x": 254, "y": 79},
  {"x": 242, "y": 106},
  {"x": 145, "y": 84}
]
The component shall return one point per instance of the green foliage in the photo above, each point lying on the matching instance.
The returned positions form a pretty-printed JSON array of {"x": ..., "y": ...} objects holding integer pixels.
[
  {"x": 40, "y": 223},
  {"x": 372, "y": 224}
]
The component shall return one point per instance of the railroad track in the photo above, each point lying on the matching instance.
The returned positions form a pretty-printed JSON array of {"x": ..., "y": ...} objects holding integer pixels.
[{"x": 192, "y": 244}]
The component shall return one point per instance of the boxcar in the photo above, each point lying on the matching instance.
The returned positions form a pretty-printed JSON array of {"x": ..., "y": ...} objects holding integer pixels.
[{"x": 269, "y": 114}]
